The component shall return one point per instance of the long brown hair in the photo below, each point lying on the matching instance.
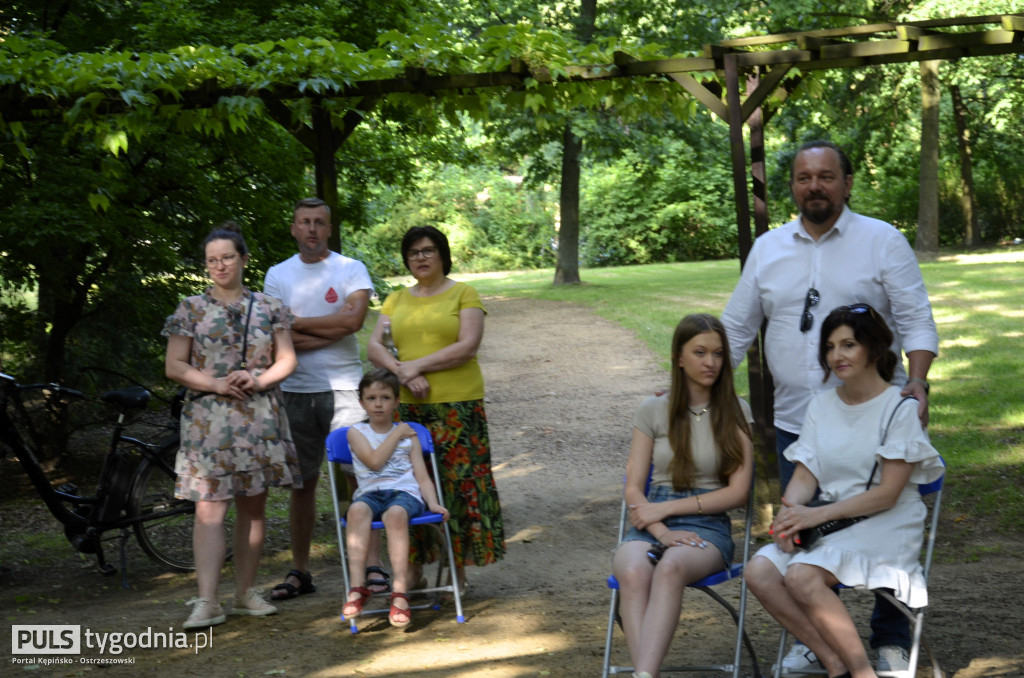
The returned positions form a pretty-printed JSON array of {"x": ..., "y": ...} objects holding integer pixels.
[{"x": 727, "y": 420}]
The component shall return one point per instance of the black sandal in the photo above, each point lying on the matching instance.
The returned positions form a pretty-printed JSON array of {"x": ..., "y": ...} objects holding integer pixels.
[
  {"x": 378, "y": 585},
  {"x": 290, "y": 590}
]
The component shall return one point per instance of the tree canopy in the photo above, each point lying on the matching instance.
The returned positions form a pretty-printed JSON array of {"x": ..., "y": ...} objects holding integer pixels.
[{"x": 129, "y": 129}]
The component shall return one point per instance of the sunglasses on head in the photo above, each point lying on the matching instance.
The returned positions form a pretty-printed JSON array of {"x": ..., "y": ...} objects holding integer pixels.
[{"x": 855, "y": 308}]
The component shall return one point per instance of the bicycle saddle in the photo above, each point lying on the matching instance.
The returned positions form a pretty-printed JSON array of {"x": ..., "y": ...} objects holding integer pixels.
[{"x": 131, "y": 398}]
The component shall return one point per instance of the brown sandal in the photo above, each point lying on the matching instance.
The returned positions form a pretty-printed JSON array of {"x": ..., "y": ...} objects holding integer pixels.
[
  {"x": 395, "y": 610},
  {"x": 356, "y": 605}
]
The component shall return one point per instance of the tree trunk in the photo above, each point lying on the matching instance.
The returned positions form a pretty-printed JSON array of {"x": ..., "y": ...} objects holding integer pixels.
[
  {"x": 568, "y": 268},
  {"x": 927, "y": 242},
  {"x": 972, "y": 236},
  {"x": 60, "y": 298},
  {"x": 588, "y": 17}
]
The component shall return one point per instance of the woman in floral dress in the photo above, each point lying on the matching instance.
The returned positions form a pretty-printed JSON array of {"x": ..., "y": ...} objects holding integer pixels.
[
  {"x": 437, "y": 325},
  {"x": 231, "y": 348}
]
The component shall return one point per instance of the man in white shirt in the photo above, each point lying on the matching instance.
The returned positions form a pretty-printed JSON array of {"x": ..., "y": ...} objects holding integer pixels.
[
  {"x": 328, "y": 293},
  {"x": 830, "y": 256}
]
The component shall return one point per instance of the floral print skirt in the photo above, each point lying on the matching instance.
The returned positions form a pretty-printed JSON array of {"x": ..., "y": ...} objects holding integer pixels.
[
  {"x": 234, "y": 447},
  {"x": 462, "y": 444}
]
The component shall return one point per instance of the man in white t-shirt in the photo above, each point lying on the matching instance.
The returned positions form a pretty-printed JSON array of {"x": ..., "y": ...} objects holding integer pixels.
[{"x": 328, "y": 293}]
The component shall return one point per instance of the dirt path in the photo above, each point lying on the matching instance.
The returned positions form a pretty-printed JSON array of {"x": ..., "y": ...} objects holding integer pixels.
[{"x": 562, "y": 386}]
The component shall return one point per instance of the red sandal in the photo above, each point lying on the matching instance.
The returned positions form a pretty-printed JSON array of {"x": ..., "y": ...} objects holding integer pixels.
[
  {"x": 395, "y": 610},
  {"x": 357, "y": 604}
]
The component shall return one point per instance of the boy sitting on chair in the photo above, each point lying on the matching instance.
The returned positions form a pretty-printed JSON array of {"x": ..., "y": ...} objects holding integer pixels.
[{"x": 393, "y": 487}]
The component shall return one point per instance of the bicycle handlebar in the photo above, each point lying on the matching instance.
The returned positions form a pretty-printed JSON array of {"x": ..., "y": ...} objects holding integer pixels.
[{"x": 11, "y": 382}]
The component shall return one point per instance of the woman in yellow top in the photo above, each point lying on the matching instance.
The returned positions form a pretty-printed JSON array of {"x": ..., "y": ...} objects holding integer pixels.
[{"x": 436, "y": 326}]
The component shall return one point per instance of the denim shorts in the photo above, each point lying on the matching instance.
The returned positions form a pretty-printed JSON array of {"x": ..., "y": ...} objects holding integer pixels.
[
  {"x": 380, "y": 501},
  {"x": 715, "y": 528}
]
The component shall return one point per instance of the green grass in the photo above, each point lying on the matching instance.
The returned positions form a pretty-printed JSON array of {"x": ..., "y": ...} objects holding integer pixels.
[{"x": 977, "y": 406}]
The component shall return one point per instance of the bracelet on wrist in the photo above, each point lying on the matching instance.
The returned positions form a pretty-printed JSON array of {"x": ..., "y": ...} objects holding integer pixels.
[{"x": 700, "y": 509}]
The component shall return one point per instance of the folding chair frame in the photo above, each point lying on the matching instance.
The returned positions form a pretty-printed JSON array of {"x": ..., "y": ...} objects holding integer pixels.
[
  {"x": 915, "y": 615},
  {"x": 338, "y": 452},
  {"x": 733, "y": 571}
]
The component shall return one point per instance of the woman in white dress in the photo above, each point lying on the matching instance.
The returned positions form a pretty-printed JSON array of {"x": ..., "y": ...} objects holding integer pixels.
[{"x": 839, "y": 450}]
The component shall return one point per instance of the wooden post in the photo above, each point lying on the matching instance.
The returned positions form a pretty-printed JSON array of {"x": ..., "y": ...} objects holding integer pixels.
[
  {"x": 326, "y": 171},
  {"x": 762, "y": 387}
]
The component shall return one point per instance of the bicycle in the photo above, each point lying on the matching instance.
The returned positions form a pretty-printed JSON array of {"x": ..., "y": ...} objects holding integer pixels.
[{"x": 134, "y": 492}]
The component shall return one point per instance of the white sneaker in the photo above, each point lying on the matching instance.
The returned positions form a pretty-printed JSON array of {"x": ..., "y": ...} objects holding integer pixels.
[
  {"x": 892, "y": 658},
  {"x": 253, "y": 605},
  {"x": 205, "y": 612},
  {"x": 799, "y": 658}
]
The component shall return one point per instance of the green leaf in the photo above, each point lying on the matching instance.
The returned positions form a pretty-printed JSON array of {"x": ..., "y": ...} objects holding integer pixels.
[
  {"x": 116, "y": 142},
  {"x": 99, "y": 201}
]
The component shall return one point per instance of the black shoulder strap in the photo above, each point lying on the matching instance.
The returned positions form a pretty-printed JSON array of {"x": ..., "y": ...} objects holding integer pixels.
[
  {"x": 245, "y": 332},
  {"x": 885, "y": 433}
]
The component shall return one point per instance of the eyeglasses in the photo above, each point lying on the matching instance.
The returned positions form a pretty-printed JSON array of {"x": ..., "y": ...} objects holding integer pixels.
[
  {"x": 227, "y": 260},
  {"x": 807, "y": 319},
  {"x": 426, "y": 253}
]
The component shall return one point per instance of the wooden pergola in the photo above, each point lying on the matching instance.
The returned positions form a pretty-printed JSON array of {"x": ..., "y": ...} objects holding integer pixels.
[
  {"x": 766, "y": 63},
  {"x": 733, "y": 79}
]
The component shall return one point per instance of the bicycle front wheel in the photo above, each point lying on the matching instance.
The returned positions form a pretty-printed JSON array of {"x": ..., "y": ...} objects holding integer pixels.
[{"x": 164, "y": 523}]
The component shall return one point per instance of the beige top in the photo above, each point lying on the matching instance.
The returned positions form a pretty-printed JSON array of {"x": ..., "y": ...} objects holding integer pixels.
[{"x": 652, "y": 420}]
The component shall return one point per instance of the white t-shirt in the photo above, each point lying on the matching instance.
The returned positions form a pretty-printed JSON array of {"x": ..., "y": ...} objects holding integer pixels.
[{"x": 311, "y": 290}]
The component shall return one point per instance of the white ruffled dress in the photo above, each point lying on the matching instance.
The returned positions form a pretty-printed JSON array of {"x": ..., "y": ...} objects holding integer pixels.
[{"x": 839, "y": 445}]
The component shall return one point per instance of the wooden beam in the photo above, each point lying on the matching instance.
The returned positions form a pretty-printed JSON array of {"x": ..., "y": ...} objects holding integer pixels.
[
  {"x": 913, "y": 33},
  {"x": 868, "y": 29},
  {"x": 810, "y": 42},
  {"x": 869, "y": 48},
  {"x": 766, "y": 86},
  {"x": 352, "y": 118},
  {"x": 776, "y": 38},
  {"x": 1014, "y": 22},
  {"x": 666, "y": 66},
  {"x": 708, "y": 92},
  {"x": 701, "y": 94},
  {"x": 738, "y": 157},
  {"x": 782, "y": 56},
  {"x": 947, "y": 53},
  {"x": 770, "y": 107},
  {"x": 961, "y": 40},
  {"x": 282, "y": 115}
]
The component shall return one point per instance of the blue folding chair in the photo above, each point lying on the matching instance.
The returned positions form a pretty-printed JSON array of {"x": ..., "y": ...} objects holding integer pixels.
[
  {"x": 915, "y": 615},
  {"x": 338, "y": 452},
  {"x": 732, "y": 572}
]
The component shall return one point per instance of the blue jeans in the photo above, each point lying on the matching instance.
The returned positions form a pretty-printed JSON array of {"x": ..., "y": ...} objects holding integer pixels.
[
  {"x": 380, "y": 501},
  {"x": 889, "y": 626},
  {"x": 715, "y": 528}
]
